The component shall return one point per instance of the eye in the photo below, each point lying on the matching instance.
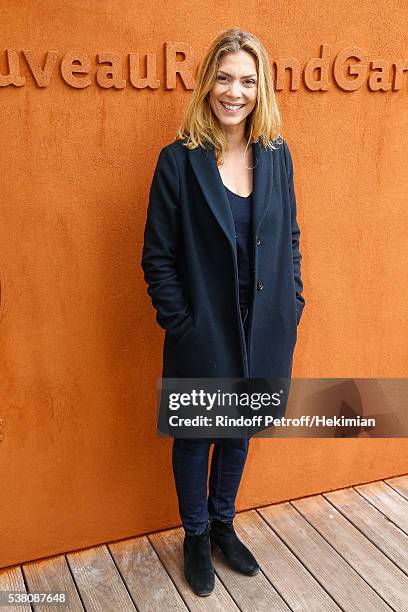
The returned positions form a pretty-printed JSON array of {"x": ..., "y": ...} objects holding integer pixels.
[{"x": 223, "y": 78}]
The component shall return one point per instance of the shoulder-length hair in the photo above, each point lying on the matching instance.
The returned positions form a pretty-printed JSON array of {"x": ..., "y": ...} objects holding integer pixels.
[{"x": 201, "y": 127}]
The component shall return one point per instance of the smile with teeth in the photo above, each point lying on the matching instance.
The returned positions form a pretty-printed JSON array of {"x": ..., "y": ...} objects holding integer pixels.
[{"x": 232, "y": 108}]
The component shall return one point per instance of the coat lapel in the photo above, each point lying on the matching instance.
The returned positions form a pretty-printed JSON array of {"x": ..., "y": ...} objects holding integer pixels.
[
  {"x": 262, "y": 184},
  {"x": 208, "y": 176}
]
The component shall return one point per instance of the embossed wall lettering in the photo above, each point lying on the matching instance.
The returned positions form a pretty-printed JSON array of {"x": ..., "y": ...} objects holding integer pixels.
[{"x": 348, "y": 69}]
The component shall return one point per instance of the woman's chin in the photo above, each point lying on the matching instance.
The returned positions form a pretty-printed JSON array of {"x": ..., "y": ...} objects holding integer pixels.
[{"x": 231, "y": 121}]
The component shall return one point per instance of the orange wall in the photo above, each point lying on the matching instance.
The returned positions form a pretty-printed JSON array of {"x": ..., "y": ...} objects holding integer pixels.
[{"x": 80, "y": 350}]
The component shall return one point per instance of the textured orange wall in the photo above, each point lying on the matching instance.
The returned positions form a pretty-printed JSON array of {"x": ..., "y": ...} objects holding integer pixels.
[{"x": 80, "y": 350}]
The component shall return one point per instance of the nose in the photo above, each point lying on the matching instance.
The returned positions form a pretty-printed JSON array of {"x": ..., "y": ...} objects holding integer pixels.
[{"x": 234, "y": 89}]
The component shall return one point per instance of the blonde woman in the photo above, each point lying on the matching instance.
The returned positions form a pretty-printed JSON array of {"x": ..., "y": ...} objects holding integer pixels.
[{"x": 222, "y": 263}]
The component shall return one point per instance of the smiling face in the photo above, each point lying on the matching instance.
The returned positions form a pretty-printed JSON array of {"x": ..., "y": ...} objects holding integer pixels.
[{"x": 233, "y": 95}]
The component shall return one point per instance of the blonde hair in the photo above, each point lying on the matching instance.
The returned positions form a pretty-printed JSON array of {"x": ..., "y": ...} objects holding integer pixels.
[{"x": 200, "y": 125}]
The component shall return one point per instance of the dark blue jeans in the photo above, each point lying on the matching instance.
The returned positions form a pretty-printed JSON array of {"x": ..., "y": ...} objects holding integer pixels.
[{"x": 190, "y": 469}]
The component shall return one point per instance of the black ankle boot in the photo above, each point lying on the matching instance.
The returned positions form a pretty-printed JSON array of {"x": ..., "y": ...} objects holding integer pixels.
[
  {"x": 198, "y": 566},
  {"x": 235, "y": 552}
]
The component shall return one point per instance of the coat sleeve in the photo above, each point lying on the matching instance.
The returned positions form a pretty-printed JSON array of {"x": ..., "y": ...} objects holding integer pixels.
[
  {"x": 162, "y": 234},
  {"x": 297, "y": 258}
]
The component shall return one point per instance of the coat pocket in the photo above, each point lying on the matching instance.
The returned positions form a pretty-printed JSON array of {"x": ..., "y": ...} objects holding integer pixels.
[{"x": 176, "y": 340}]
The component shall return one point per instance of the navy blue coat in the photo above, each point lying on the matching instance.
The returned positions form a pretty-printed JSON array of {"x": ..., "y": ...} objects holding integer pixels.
[{"x": 190, "y": 266}]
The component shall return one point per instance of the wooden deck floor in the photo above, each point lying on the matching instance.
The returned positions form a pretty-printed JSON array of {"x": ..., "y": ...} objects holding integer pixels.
[{"x": 343, "y": 550}]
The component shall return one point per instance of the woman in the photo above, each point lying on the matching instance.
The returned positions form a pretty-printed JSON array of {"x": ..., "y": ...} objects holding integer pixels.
[{"x": 222, "y": 263}]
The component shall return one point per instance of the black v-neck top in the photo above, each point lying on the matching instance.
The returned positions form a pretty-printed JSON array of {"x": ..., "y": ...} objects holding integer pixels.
[{"x": 241, "y": 209}]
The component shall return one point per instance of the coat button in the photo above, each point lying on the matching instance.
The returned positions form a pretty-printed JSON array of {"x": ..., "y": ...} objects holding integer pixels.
[
  {"x": 258, "y": 242},
  {"x": 260, "y": 285}
]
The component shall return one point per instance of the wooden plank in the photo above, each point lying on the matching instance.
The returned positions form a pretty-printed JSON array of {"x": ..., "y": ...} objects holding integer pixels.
[
  {"x": 365, "y": 558},
  {"x": 295, "y": 585},
  {"x": 98, "y": 581},
  {"x": 11, "y": 579},
  {"x": 146, "y": 579},
  {"x": 251, "y": 593},
  {"x": 52, "y": 574},
  {"x": 169, "y": 547},
  {"x": 332, "y": 572},
  {"x": 399, "y": 484},
  {"x": 387, "y": 501},
  {"x": 373, "y": 524}
]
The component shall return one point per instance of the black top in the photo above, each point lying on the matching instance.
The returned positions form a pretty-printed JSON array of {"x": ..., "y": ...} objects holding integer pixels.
[{"x": 242, "y": 212}]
